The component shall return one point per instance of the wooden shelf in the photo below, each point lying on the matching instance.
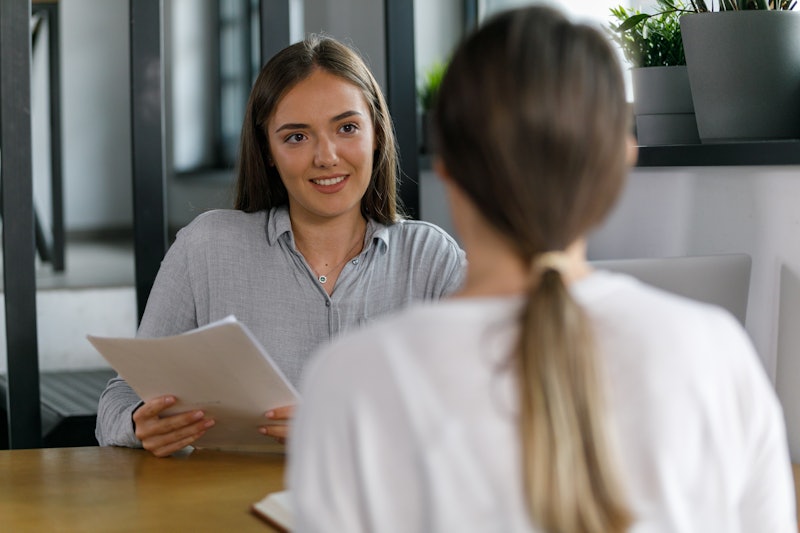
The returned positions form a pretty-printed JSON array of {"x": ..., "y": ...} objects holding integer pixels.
[{"x": 785, "y": 152}]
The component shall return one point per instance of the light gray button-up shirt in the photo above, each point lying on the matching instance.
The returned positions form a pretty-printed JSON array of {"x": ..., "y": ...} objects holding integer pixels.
[{"x": 246, "y": 264}]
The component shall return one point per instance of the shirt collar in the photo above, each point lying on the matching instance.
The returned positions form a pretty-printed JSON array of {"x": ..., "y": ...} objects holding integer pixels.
[{"x": 279, "y": 224}]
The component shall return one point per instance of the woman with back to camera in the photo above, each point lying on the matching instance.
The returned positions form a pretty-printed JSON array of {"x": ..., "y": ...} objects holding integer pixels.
[
  {"x": 316, "y": 244},
  {"x": 544, "y": 396}
]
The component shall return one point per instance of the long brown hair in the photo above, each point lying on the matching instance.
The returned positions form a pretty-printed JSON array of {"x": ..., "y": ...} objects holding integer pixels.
[
  {"x": 531, "y": 123},
  {"x": 258, "y": 184}
]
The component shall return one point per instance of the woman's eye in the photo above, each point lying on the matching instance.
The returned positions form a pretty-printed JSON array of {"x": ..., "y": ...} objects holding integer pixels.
[
  {"x": 349, "y": 128},
  {"x": 295, "y": 138}
]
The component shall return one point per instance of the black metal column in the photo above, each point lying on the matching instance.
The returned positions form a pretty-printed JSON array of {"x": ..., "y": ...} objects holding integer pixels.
[
  {"x": 275, "y": 28},
  {"x": 55, "y": 255},
  {"x": 402, "y": 96},
  {"x": 16, "y": 182},
  {"x": 56, "y": 179},
  {"x": 147, "y": 124}
]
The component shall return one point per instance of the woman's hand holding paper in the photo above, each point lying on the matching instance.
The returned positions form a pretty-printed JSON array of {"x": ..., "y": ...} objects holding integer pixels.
[
  {"x": 165, "y": 435},
  {"x": 280, "y": 423}
]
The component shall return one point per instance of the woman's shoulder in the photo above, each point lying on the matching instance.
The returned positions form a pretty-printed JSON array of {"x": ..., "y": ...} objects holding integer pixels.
[
  {"x": 625, "y": 294},
  {"x": 222, "y": 223},
  {"x": 225, "y": 217},
  {"x": 417, "y": 235},
  {"x": 420, "y": 228},
  {"x": 663, "y": 328}
]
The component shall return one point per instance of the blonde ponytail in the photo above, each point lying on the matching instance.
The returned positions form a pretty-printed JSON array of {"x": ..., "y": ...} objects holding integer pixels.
[{"x": 570, "y": 480}]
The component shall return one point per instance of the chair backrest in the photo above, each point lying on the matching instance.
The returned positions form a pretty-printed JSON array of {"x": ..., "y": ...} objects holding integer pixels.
[{"x": 722, "y": 280}]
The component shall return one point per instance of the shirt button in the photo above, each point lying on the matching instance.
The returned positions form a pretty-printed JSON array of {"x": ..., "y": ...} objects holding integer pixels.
[
  {"x": 327, "y": 304},
  {"x": 355, "y": 261}
]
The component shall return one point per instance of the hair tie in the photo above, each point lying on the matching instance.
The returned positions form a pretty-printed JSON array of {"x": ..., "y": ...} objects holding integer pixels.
[{"x": 555, "y": 260}]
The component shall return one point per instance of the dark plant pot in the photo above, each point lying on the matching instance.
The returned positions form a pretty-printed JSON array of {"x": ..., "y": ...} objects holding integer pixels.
[
  {"x": 426, "y": 132},
  {"x": 662, "y": 105},
  {"x": 744, "y": 72}
]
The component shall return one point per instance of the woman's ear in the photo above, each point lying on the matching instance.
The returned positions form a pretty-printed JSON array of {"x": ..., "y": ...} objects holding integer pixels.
[{"x": 441, "y": 169}]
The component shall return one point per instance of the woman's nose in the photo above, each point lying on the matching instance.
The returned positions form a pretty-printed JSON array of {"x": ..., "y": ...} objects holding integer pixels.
[{"x": 325, "y": 155}]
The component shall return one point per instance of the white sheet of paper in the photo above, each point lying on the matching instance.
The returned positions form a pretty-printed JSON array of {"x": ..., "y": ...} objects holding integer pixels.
[{"x": 220, "y": 368}]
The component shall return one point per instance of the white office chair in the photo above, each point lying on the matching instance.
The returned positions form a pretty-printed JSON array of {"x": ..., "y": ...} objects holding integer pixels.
[{"x": 722, "y": 280}]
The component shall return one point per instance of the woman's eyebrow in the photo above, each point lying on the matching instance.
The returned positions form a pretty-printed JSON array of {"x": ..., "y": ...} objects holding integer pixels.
[
  {"x": 291, "y": 126},
  {"x": 299, "y": 126},
  {"x": 346, "y": 114}
]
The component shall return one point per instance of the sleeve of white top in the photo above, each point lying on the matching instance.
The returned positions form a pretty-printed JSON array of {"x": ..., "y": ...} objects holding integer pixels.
[{"x": 768, "y": 501}]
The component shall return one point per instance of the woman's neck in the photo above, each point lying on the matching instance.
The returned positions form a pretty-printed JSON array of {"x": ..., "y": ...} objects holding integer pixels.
[
  {"x": 495, "y": 269},
  {"x": 494, "y": 266},
  {"x": 327, "y": 235},
  {"x": 327, "y": 244}
]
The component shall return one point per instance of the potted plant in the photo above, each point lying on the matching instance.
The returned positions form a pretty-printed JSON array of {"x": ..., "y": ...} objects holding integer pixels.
[
  {"x": 426, "y": 94},
  {"x": 743, "y": 61},
  {"x": 744, "y": 69},
  {"x": 662, "y": 100}
]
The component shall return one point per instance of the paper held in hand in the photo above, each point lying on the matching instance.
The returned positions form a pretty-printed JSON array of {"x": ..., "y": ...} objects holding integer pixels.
[{"x": 220, "y": 368}]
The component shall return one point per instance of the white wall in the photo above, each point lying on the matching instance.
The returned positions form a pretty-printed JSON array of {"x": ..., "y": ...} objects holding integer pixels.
[
  {"x": 694, "y": 211},
  {"x": 438, "y": 26},
  {"x": 96, "y": 114},
  {"x": 190, "y": 60},
  {"x": 64, "y": 318},
  {"x": 595, "y": 10}
]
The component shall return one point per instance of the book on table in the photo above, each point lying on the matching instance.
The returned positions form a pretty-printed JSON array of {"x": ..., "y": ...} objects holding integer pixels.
[
  {"x": 276, "y": 509},
  {"x": 220, "y": 368}
]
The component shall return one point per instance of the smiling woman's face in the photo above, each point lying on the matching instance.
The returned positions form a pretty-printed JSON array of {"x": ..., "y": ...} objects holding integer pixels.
[{"x": 322, "y": 143}]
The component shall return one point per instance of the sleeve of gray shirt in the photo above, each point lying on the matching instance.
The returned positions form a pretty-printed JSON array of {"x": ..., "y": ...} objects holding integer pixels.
[
  {"x": 169, "y": 312},
  {"x": 115, "y": 415}
]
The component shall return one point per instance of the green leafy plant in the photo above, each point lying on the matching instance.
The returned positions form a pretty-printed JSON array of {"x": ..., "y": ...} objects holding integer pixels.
[
  {"x": 429, "y": 88},
  {"x": 650, "y": 40}
]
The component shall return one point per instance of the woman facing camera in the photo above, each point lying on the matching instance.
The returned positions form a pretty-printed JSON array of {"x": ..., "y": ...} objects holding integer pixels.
[
  {"x": 543, "y": 396},
  {"x": 315, "y": 246}
]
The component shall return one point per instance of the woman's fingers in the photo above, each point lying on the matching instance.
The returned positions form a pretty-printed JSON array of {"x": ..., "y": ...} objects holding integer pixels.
[
  {"x": 164, "y": 435},
  {"x": 281, "y": 413},
  {"x": 153, "y": 407},
  {"x": 172, "y": 447},
  {"x": 278, "y": 431}
]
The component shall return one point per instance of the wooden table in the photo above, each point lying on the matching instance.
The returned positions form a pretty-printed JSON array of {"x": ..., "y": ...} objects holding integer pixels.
[
  {"x": 796, "y": 475},
  {"x": 118, "y": 489}
]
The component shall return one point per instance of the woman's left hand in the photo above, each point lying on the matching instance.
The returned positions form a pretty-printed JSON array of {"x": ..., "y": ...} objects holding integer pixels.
[{"x": 280, "y": 431}]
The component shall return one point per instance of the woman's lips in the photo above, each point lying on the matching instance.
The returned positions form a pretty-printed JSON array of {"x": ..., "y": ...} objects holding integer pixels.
[
  {"x": 330, "y": 184},
  {"x": 327, "y": 182}
]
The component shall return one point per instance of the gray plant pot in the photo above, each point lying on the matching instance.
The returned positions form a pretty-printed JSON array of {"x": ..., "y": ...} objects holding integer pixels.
[
  {"x": 662, "y": 105},
  {"x": 426, "y": 132},
  {"x": 744, "y": 72}
]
